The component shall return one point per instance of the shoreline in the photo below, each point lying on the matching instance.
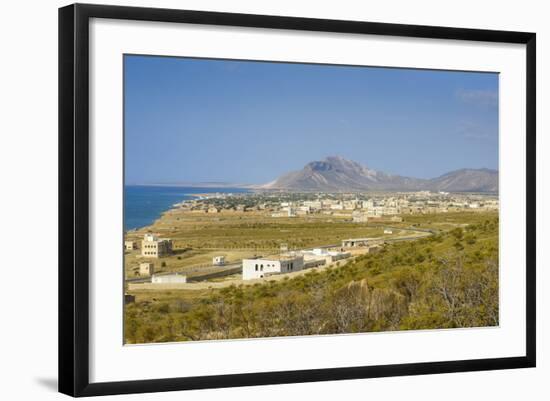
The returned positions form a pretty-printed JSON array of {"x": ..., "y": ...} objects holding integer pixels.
[{"x": 180, "y": 199}]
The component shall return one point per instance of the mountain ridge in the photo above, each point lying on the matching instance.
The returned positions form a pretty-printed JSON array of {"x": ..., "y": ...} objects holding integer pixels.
[{"x": 336, "y": 174}]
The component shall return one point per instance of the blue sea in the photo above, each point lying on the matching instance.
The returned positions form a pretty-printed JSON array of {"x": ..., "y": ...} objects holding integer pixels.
[{"x": 144, "y": 204}]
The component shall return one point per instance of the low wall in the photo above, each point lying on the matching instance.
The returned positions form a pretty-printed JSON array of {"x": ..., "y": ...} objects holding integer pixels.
[
  {"x": 191, "y": 281},
  {"x": 221, "y": 273}
]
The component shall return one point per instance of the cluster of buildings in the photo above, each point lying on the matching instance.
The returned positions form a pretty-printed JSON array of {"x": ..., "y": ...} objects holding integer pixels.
[
  {"x": 294, "y": 261},
  {"x": 151, "y": 246},
  {"x": 377, "y": 206},
  {"x": 362, "y": 206},
  {"x": 359, "y": 208},
  {"x": 154, "y": 247},
  {"x": 322, "y": 256}
]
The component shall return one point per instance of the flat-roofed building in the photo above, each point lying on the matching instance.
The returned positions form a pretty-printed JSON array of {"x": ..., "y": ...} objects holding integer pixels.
[
  {"x": 260, "y": 268},
  {"x": 375, "y": 211},
  {"x": 168, "y": 278},
  {"x": 324, "y": 255},
  {"x": 154, "y": 247},
  {"x": 359, "y": 217},
  {"x": 130, "y": 245},
  {"x": 146, "y": 269},
  {"x": 368, "y": 204},
  {"x": 218, "y": 260},
  {"x": 390, "y": 210},
  {"x": 350, "y": 204},
  {"x": 317, "y": 204}
]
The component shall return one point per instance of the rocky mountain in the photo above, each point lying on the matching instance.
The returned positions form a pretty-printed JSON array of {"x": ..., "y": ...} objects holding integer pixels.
[{"x": 335, "y": 174}]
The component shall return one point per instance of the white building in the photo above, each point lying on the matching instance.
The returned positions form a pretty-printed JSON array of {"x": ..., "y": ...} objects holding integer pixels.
[
  {"x": 218, "y": 260},
  {"x": 169, "y": 278},
  {"x": 260, "y": 268},
  {"x": 320, "y": 254}
]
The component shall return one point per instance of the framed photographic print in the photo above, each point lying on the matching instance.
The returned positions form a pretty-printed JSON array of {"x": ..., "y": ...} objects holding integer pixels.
[{"x": 250, "y": 199}]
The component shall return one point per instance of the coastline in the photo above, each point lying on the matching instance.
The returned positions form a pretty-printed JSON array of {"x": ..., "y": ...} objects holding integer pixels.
[{"x": 145, "y": 204}]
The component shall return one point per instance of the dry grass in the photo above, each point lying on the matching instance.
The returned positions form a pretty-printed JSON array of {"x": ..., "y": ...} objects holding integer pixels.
[{"x": 198, "y": 236}]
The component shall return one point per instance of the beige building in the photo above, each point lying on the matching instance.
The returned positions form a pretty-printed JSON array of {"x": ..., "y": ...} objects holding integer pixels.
[
  {"x": 154, "y": 247},
  {"x": 130, "y": 245},
  {"x": 146, "y": 269},
  {"x": 359, "y": 217}
]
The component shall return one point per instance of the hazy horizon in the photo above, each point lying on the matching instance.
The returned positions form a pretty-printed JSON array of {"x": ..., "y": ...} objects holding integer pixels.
[
  {"x": 168, "y": 183},
  {"x": 198, "y": 121}
]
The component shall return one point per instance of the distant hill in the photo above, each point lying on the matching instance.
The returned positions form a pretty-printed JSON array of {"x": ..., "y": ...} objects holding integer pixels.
[
  {"x": 336, "y": 174},
  {"x": 466, "y": 180}
]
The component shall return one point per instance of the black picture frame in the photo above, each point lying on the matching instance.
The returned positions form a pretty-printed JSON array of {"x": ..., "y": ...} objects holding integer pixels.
[{"x": 74, "y": 198}]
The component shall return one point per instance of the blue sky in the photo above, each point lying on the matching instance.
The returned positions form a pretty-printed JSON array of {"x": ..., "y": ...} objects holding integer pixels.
[{"x": 196, "y": 120}]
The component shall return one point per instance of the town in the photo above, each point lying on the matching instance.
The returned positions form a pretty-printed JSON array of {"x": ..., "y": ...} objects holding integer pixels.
[
  {"x": 353, "y": 200},
  {"x": 363, "y": 204},
  {"x": 164, "y": 256}
]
